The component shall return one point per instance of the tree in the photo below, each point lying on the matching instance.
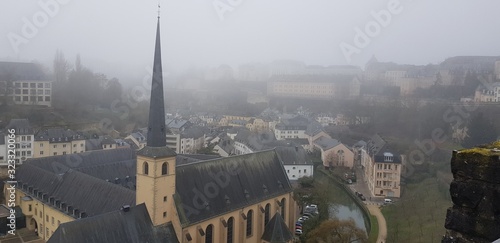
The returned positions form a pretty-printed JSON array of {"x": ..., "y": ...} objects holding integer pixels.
[
  {"x": 480, "y": 130},
  {"x": 338, "y": 231},
  {"x": 61, "y": 68}
]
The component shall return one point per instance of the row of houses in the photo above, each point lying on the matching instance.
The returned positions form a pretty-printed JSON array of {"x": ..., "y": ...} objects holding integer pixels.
[{"x": 38, "y": 143}]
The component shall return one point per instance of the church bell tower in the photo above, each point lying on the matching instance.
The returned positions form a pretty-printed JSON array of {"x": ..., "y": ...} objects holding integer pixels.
[{"x": 156, "y": 162}]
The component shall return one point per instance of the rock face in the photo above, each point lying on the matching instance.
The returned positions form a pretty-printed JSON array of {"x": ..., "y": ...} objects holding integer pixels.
[{"x": 475, "y": 192}]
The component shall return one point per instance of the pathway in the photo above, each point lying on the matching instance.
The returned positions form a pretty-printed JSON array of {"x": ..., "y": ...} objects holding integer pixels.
[{"x": 382, "y": 226}]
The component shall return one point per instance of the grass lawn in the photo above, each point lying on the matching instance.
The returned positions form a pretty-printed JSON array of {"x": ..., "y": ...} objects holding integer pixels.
[
  {"x": 374, "y": 230},
  {"x": 419, "y": 215}
]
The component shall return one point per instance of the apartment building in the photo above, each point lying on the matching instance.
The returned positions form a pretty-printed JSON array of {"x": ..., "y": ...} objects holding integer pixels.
[
  {"x": 24, "y": 139},
  {"x": 383, "y": 174},
  {"x": 58, "y": 141}
]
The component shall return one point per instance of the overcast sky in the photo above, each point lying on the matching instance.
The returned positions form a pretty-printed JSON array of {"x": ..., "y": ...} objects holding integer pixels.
[{"x": 117, "y": 37}]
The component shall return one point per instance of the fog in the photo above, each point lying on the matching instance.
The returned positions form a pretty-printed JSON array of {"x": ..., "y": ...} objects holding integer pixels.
[{"x": 117, "y": 37}]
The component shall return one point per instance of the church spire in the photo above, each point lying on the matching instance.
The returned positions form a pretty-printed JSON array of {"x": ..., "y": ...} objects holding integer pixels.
[{"x": 156, "y": 127}]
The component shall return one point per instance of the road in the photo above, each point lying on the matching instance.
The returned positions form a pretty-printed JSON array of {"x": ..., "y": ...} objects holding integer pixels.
[{"x": 382, "y": 225}]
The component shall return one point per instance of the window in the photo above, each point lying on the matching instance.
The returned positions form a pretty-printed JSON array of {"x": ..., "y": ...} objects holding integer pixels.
[
  {"x": 64, "y": 145},
  {"x": 41, "y": 145},
  {"x": 165, "y": 198},
  {"x": 267, "y": 211},
  {"x": 25, "y": 98},
  {"x": 41, "y": 215},
  {"x": 249, "y": 222},
  {"x": 64, "y": 153},
  {"x": 29, "y": 207},
  {"x": 305, "y": 171},
  {"x": 41, "y": 229},
  {"x": 55, "y": 153},
  {"x": 41, "y": 152},
  {"x": 230, "y": 225},
  {"x": 47, "y": 98},
  {"x": 164, "y": 168},
  {"x": 36, "y": 211},
  {"x": 52, "y": 221},
  {"x": 145, "y": 168},
  {"x": 54, "y": 146},
  {"x": 164, "y": 214},
  {"x": 283, "y": 208},
  {"x": 47, "y": 231},
  {"x": 47, "y": 218},
  {"x": 209, "y": 232}
]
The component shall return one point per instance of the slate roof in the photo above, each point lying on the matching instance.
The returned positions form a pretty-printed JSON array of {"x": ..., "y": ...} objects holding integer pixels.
[
  {"x": 276, "y": 230},
  {"x": 119, "y": 226},
  {"x": 86, "y": 193},
  {"x": 157, "y": 129},
  {"x": 22, "y": 126},
  {"x": 182, "y": 159},
  {"x": 194, "y": 132},
  {"x": 293, "y": 155},
  {"x": 326, "y": 143},
  {"x": 314, "y": 128},
  {"x": 177, "y": 124},
  {"x": 57, "y": 135},
  {"x": 13, "y": 71},
  {"x": 103, "y": 164},
  {"x": 382, "y": 156},
  {"x": 156, "y": 152},
  {"x": 255, "y": 141},
  {"x": 244, "y": 180},
  {"x": 295, "y": 123}
]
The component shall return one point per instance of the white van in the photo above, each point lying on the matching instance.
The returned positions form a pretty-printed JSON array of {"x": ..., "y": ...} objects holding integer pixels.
[{"x": 387, "y": 200}]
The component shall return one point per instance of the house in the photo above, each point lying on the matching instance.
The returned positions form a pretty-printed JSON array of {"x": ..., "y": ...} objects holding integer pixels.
[
  {"x": 24, "y": 139},
  {"x": 291, "y": 128},
  {"x": 57, "y": 141},
  {"x": 334, "y": 153},
  {"x": 99, "y": 196},
  {"x": 383, "y": 174},
  {"x": 487, "y": 93},
  {"x": 295, "y": 161}
]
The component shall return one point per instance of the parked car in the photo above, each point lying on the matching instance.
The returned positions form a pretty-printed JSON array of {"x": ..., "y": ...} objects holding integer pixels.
[
  {"x": 298, "y": 231},
  {"x": 312, "y": 206},
  {"x": 362, "y": 197},
  {"x": 302, "y": 219},
  {"x": 308, "y": 215},
  {"x": 298, "y": 224},
  {"x": 305, "y": 217},
  {"x": 298, "y": 227},
  {"x": 387, "y": 201}
]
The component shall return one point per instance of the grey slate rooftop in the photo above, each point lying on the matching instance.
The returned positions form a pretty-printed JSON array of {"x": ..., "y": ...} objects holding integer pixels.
[
  {"x": 22, "y": 126},
  {"x": 58, "y": 135},
  {"x": 276, "y": 230},
  {"x": 132, "y": 225},
  {"x": 20, "y": 71},
  {"x": 76, "y": 190},
  {"x": 264, "y": 177},
  {"x": 326, "y": 143}
]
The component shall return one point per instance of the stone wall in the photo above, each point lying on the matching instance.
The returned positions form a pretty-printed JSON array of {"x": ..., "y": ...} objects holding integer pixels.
[{"x": 475, "y": 192}]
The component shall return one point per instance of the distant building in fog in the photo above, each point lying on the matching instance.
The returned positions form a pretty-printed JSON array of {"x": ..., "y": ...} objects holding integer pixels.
[{"x": 25, "y": 83}]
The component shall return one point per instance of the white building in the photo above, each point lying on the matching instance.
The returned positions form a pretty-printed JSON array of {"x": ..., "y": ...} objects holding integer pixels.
[
  {"x": 291, "y": 128},
  {"x": 26, "y": 83},
  {"x": 25, "y": 138}
]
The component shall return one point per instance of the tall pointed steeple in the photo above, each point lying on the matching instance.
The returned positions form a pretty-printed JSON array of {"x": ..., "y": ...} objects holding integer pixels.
[{"x": 156, "y": 128}]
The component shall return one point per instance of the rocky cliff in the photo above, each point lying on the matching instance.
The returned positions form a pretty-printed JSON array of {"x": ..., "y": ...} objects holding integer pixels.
[{"x": 475, "y": 191}]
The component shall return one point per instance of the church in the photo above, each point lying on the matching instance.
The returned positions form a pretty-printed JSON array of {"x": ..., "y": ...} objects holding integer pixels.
[{"x": 155, "y": 195}]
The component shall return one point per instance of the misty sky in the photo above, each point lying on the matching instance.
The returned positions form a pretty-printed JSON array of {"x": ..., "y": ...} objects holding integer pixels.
[{"x": 117, "y": 37}]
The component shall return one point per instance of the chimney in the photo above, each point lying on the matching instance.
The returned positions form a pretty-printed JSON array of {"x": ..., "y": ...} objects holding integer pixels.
[{"x": 126, "y": 208}]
